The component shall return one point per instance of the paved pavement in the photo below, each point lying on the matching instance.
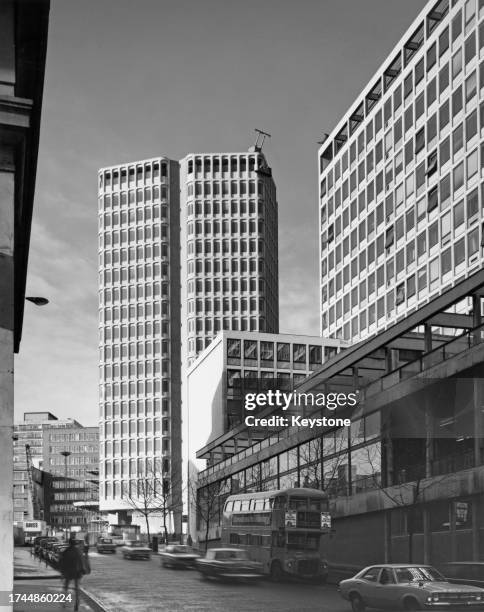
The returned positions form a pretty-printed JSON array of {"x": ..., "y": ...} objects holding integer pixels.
[
  {"x": 35, "y": 581},
  {"x": 144, "y": 586}
]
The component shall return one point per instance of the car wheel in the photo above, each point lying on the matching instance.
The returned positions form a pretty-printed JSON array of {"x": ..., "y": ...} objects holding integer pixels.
[
  {"x": 411, "y": 605},
  {"x": 276, "y": 571},
  {"x": 357, "y": 604}
]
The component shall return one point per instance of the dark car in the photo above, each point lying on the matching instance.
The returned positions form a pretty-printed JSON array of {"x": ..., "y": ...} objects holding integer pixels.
[
  {"x": 135, "y": 549},
  {"x": 233, "y": 563},
  {"x": 105, "y": 545},
  {"x": 408, "y": 587},
  {"x": 178, "y": 556},
  {"x": 46, "y": 547},
  {"x": 464, "y": 572},
  {"x": 56, "y": 552}
]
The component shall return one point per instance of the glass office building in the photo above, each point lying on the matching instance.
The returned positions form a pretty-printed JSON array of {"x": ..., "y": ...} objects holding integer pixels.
[
  {"x": 139, "y": 342},
  {"x": 400, "y": 177}
]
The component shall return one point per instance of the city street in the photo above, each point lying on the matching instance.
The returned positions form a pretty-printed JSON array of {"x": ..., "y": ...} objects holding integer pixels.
[{"x": 135, "y": 586}]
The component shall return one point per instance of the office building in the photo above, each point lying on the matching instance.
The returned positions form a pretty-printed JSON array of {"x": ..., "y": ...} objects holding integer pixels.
[
  {"x": 139, "y": 342},
  {"x": 71, "y": 456},
  {"x": 229, "y": 242},
  {"x": 400, "y": 177},
  {"x": 55, "y": 481},
  {"x": 234, "y": 364},
  {"x": 239, "y": 362}
]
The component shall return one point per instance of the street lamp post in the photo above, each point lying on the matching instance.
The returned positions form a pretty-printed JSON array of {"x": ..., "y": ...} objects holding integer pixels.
[{"x": 65, "y": 454}]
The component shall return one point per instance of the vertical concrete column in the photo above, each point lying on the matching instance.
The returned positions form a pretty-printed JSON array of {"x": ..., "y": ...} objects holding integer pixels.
[
  {"x": 429, "y": 438},
  {"x": 387, "y": 536},
  {"x": 7, "y": 194},
  {"x": 428, "y": 337},
  {"x": 478, "y": 393},
  {"x": 475, "y": 528},
  {"x": 427, "y": 535},
  {"x": 476, "y": 311},
  {"x": 453, "y": 534}
]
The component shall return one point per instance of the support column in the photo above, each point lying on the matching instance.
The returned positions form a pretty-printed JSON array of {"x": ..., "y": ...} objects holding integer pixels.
[
  {"x": 453, "y": 535},
  {"x": 429, "y": 438},
  {"x": 387, "y": 536},
  {"x": 475, "y": 528},
  {"x": 428, "y": 337},
  {"x": 476, "y": 311},
  {"x": 478, "y": 397},
  {"x": 427, "y": 534}
]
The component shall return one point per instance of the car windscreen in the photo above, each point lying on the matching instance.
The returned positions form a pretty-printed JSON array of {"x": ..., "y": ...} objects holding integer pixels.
[
  {"x": 303, "y": 540},
  {"x": 231, "y": 554},
  {"x": 418, "y": 574}
]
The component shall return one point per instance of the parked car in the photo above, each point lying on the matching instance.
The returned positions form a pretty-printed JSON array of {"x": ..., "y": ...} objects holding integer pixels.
[
  {"x": 229, "y": 563},
  {"x": 56, "y": 552},
  {"x": 134, "y": 549},
  {"x": 464, "y": 572},
  {"x": 178, "y": 555},
  {"x": 105, "y": 545},
  {"x": 46, "y": 547},
  {"x": 39, "y": 543},
  {"x": 408, "y": 587}
]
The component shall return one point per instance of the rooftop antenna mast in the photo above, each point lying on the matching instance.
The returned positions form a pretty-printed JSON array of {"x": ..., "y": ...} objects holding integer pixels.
[{"x": 261, "y": 136}]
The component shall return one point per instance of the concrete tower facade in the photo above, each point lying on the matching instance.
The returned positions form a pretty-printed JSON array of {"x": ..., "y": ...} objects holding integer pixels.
[{"x": 139, "y": 342}]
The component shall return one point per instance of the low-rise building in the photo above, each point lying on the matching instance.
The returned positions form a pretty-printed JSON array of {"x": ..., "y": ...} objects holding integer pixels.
[{"x": 237, "y": 363}]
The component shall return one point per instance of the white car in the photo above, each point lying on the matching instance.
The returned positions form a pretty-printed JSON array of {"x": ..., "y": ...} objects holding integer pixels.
[{"x": 408, "y": 587}]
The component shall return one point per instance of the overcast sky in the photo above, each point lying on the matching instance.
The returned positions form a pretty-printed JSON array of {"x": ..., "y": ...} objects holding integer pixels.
[{"x": 131, "y": 80}]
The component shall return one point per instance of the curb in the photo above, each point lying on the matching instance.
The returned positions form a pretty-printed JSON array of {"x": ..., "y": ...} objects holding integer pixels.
[
  {"x": 95, "y": 604},
  {"x": 37, "y": 577}
]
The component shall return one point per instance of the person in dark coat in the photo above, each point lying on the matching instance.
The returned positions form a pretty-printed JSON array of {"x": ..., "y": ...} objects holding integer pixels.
[{"x": 71, "y": 567}]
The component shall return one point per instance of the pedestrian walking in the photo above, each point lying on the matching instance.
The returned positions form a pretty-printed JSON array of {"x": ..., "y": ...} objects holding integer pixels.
[
  {"x": 71, "y": 566},
  {"x": 86, "y": 544}
]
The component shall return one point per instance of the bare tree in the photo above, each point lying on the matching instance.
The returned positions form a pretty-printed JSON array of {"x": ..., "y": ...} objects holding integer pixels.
[
  {"x": 156, "y": 494},
  {"x": 207, "y": 502},
  {"x": 320, "y": 473},
  {"x": 405, "y": 490}
]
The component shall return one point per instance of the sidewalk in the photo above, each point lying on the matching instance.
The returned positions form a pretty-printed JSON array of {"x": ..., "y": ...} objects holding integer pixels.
[{"x": 34, "y": 580}]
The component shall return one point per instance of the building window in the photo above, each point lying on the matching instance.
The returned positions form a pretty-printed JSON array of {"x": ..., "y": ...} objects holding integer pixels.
[
  {"x": 233, "y": 348},
  {"x": 283, "y": 352},
  {"x": 299, "y": 353},
  {"x": 250, "y": 350},
  {"x": 267, "y": 351}
]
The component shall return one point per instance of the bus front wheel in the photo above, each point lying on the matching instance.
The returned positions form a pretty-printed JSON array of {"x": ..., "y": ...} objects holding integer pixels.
[{"x": 276, "y": 571}]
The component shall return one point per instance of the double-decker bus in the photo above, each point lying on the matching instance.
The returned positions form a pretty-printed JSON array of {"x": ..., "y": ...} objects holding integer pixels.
[{"x": 280, "y": 529}]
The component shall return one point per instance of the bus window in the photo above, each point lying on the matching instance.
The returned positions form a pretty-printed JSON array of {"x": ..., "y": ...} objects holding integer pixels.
[
  {"x": 237, "y": 505},
  {"x": 229, "y": 506},
  {"x": 303, "y": 541},
  {"x": 258, "y": 504},
  {"x": 298, "y": 502},
  {"x": 245, "y": 504},
  {"x": 314, "y": 505},
  {"x": 279, "y": 502}
]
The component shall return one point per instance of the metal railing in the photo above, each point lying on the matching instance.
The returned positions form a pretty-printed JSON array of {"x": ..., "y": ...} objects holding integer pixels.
[{"x": 442, "y": 353}]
